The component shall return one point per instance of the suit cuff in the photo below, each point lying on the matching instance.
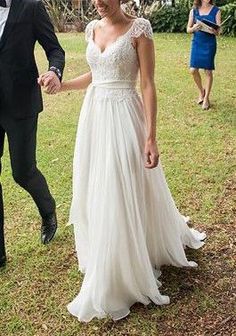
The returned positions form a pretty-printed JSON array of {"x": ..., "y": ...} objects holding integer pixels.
[{"x": 57, "y": 72}]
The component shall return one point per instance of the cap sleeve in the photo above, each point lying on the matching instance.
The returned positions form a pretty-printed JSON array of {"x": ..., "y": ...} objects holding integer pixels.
[
  {"x": 142, "y": 27},
  {"x": 89, "y": 30}
]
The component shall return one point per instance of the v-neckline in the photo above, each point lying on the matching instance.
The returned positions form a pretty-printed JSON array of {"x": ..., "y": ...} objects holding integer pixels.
[
  {"x": 207, "y": 13},
  {"x": 112, "y": 43}
]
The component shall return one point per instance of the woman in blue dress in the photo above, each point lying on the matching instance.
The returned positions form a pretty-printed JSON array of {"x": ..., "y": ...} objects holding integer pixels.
[{"x": 203, "y": 47}]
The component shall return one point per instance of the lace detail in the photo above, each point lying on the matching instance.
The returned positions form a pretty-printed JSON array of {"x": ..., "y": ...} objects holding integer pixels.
[
  {"x": 89, "y": 30},
  {"x": 119, "y": 61},
  {"x": 140, "y": 27}
]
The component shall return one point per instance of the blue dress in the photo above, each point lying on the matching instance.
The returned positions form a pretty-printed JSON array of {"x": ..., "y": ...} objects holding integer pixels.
[{"x": 203, "y": 44}]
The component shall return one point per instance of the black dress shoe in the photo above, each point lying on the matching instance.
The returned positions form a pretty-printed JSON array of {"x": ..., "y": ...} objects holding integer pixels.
[
  {"x": 3, "y": 261},
  {"x": 49, "y": 228}
]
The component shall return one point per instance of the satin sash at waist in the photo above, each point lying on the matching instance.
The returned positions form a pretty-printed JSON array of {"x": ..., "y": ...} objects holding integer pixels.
[{"x": 119, "y": 84}]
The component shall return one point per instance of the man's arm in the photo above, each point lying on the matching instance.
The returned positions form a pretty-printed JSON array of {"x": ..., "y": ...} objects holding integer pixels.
[{"x": 46, "y": 36}]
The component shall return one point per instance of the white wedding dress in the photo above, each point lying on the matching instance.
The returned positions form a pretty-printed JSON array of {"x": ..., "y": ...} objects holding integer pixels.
[{"x": 125, "y": 221}]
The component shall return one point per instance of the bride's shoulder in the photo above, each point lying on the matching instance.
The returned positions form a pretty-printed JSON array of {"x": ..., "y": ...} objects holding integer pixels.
[
  {"x": 89, "y": 29},
  {"x": 142, "y": 26}
]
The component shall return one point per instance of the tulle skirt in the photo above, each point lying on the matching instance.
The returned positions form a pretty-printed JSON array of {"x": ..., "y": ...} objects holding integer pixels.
[{"x": 126, "y": 223}]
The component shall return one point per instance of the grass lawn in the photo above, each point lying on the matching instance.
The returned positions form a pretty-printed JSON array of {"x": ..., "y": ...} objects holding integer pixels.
[{"x": 197, "y": 149}]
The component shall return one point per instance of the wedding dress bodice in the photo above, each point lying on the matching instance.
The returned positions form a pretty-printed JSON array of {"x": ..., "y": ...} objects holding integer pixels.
[{"x": 119, "y": 61}]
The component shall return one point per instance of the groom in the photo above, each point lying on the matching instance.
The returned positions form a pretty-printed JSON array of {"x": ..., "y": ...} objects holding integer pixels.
[{"x": 22, "y": 23}]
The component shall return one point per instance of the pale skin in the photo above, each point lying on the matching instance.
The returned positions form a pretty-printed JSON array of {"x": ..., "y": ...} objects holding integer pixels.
[
  {"x": 204, "y": 94},
  {"x": 50, "y": 82},
  {"x": 114, "y": 23}
]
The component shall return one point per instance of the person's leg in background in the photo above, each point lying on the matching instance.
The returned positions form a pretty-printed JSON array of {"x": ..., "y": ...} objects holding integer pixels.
[
  {"x": 209, "y": 82},
  {"x": 198, "y": 80}
]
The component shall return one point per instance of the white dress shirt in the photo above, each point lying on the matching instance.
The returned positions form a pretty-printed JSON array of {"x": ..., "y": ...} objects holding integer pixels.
[{"x": 4, "y": 11}]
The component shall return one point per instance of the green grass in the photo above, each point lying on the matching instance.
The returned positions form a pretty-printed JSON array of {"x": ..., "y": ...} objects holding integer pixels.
[{"x": 197, "y": 150}]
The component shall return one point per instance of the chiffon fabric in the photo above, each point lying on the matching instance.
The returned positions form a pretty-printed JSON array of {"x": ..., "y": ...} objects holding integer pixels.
[{"x": 126, "y": 223}]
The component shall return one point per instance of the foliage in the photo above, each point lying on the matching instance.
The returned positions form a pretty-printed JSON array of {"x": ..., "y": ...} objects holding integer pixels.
[
  {"x": 66, "y": 18},
  {"x": 229, "y": 10},
  {"x": 86, "y": 13},
  {"x": 174, "y": 19},
  {"x": 170, "y": 19},
  {"x": 131, "y": 7},
  {"x": 220, "y": 3},
  {"x": 60, "y": 13},
  {"x": 164, "y": 18}
]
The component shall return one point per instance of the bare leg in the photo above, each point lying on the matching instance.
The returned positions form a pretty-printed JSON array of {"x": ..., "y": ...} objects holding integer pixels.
[
  {"x": 198, "y": 80},
  {"x": 209, "y": 81}
]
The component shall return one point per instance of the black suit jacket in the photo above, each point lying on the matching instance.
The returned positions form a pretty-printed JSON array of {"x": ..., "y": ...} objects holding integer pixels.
[{"x": 28, "y": 22}]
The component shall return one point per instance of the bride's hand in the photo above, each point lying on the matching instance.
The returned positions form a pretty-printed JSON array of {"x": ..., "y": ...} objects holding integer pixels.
[
  {"x": 151, "y": 154},
  {"x": 53, "y": 90},
  {"x": 50, "y": 82}
]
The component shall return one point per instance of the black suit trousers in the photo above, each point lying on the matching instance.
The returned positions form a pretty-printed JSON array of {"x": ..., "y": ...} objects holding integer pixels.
[{"x": 22, "y": 136}]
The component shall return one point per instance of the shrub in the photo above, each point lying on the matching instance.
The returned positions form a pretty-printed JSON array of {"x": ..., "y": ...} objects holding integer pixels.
[
  {"x": 220, "y": 3},
  {"x": 66, "y": 18},
  {"x": 229, "y": 10},
  {"x": 174, "y": 19},
  {"x": 60, "y": 13},
  {"x": 170, "y": 19}
]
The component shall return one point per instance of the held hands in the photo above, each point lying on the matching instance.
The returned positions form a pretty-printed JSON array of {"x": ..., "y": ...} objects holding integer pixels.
[
  {"x": 50, "y": 82},
  {"x": 151, "y": 154}
]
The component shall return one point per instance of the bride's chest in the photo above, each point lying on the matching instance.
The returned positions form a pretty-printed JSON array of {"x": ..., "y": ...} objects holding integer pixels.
[{"x": 120, "y": 53}]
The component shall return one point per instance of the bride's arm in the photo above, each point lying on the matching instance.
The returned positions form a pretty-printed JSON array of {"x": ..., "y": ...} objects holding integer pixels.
[
  {"x": 79, "y": 83},
  {"x": 146, "y": 55}
]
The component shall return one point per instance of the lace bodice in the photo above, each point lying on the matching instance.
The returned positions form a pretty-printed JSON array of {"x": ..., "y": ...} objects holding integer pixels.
[{"x": 119, "y": 61}]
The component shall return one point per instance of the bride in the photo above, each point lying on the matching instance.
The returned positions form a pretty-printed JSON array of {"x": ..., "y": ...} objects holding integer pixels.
[{"x": 126, "y": 223}]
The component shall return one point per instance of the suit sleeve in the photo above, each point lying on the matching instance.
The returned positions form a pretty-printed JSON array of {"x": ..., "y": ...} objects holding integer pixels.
[{"x": 45, "y": 35}]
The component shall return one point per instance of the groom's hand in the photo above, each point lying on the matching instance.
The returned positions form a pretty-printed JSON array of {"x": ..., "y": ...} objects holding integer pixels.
[{"x": 50, "y": 82}]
